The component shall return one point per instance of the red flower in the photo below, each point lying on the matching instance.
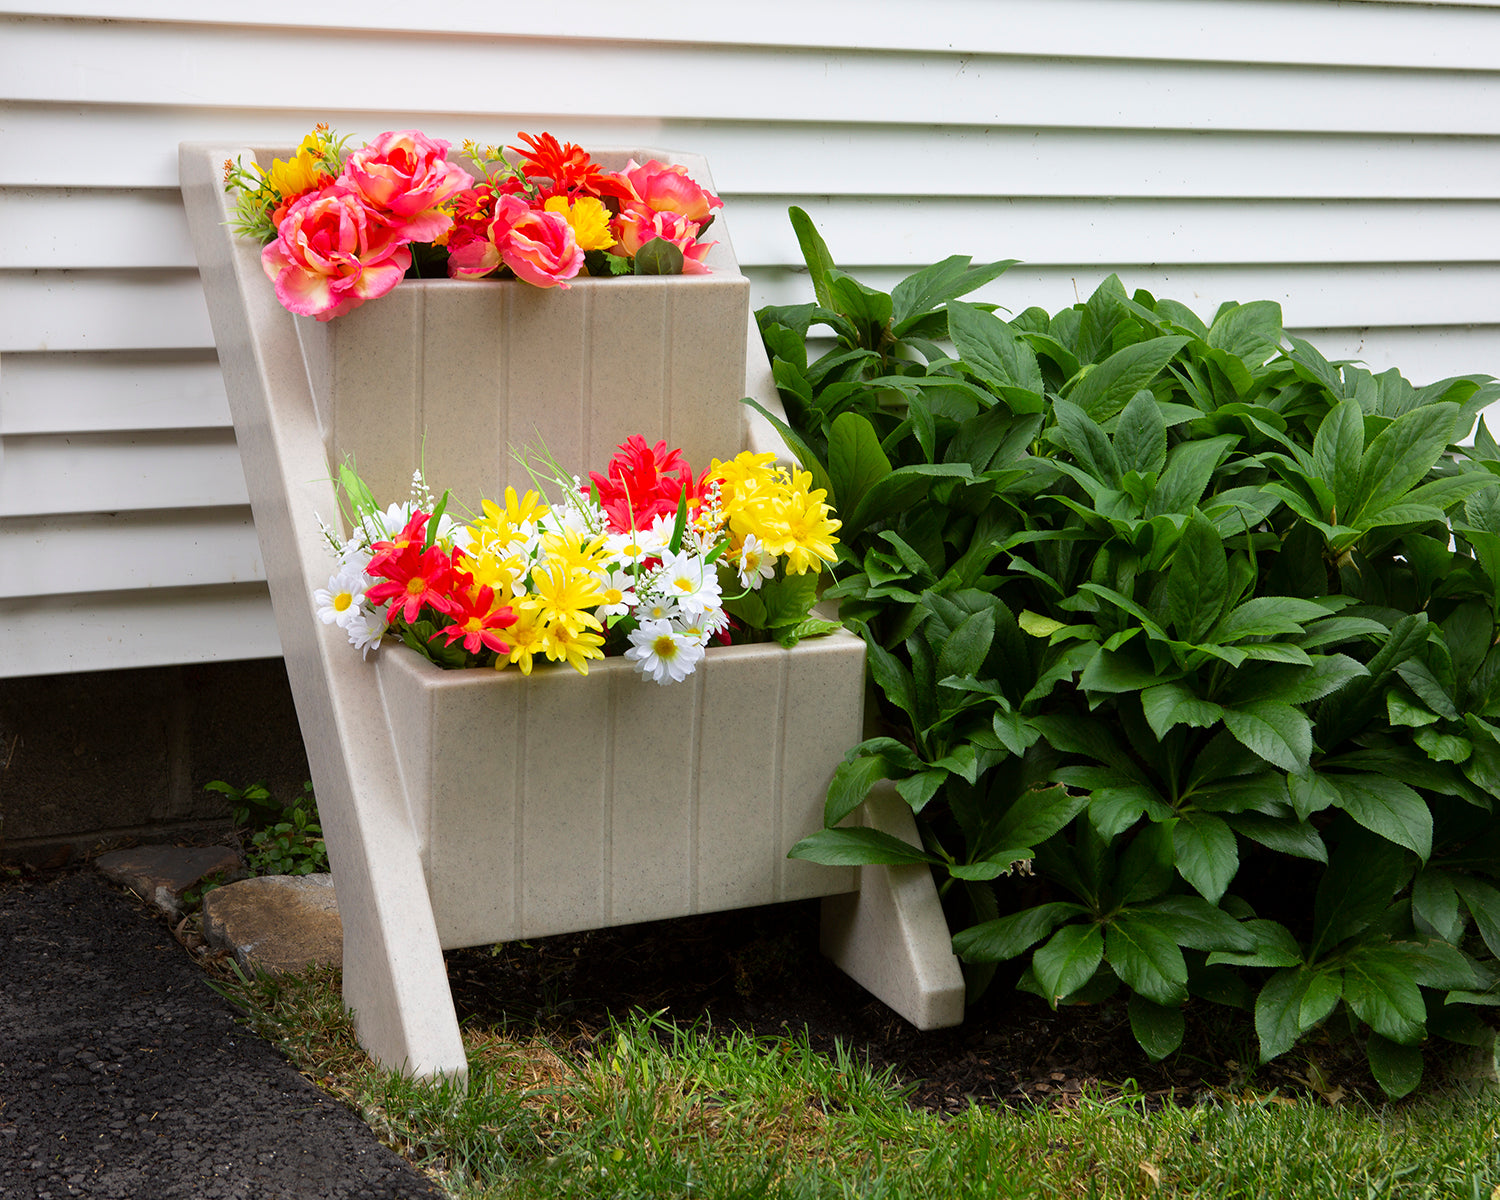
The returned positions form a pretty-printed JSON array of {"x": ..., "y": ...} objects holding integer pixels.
[
  {"x": 475, "y": 618},
  {"x": 642, "y": 483},
  {"x": 413, "y": 578},
  {"x": 568, "y": 167}
]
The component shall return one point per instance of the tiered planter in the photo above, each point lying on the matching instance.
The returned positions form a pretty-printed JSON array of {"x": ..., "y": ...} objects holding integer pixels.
[{"x": 467, "y": 807}]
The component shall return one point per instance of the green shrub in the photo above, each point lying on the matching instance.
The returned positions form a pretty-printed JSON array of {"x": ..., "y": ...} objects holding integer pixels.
[
  {"x": 278, "y": 839},
  {"x": 1185, "y": 639}
]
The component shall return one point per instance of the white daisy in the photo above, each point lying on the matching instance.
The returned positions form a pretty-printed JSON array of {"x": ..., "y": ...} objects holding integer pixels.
[
  {"x": 340, "y": 602},
  {"x": 664, "y": 654},
  {"x": 366, "y": 630},
  {"x": 690, "y": 581},
  {"x": 619, "y": 593},
  {"x": 756, "y": 564}
]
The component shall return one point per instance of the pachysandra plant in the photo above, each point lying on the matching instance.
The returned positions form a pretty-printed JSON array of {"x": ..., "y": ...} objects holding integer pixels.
[
  {"x": 343, "y": 228},
  {"x": 646, "y": 560},
  {"x": 1193, "y": 627}
]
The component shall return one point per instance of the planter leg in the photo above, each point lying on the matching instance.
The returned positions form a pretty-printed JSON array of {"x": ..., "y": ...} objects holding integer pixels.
[{"x": 890, "y": 936}]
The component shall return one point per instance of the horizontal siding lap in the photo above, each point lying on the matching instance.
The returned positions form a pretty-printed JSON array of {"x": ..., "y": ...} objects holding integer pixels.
[
  {"x": 1343, "y": 164},
  {"x": 78, "y": 63},
  {"x": 62, "y": 555},
  {"x": 48, "y": 635}
]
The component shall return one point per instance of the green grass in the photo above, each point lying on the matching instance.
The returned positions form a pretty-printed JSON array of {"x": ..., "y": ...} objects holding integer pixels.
[{"x": 648, "y": 1109}]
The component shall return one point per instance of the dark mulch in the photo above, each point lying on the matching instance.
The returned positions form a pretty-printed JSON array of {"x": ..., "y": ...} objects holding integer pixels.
[{"x": 760, "y": 971}]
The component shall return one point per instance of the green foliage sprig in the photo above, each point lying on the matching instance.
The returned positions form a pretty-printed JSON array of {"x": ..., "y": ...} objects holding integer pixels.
[{"x": 1192, "y": 623}]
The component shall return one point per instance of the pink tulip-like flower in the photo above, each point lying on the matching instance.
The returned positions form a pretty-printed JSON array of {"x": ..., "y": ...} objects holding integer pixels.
[
  {"x": 541, "y": 249},
  {"x": 664, "y": 188},
  {"x": 405, "y": 176},
  {"x": 332, "y": 253},
  {"x": 634, "y": 227}
]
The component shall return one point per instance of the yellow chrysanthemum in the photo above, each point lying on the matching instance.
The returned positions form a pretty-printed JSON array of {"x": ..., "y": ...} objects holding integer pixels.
[
  {"x": 589, "y": 219},
  {"x": 527, "y": 638},
  {"x": 576, "y": 552},
  {"x": 743, "y": 476},
  {"x": 301, "y": 173},
  {"x": 563, "y": 645},
  {"x": 564, "y": 597},
  {"x": 501, "y": 526},
  {"x": 494, "y": 566},
  {"x": 801, "y": 528}
]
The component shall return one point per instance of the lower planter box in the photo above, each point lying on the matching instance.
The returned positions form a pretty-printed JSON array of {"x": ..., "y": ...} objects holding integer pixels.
[{"x": 557, "y": 801}]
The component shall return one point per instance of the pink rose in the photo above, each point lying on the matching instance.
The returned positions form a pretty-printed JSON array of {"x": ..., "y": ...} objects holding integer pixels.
[
  {"x": 665, "y": 188},
  {"x": 634, "y": 227},
  {"x": 541, "y": 249},
  {"x": 332, "y": 253},
  {"x": 405, "y": 176}
]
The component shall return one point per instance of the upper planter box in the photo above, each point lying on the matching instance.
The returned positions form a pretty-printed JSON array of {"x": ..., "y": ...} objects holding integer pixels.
[{"x": 452, "y": 374}]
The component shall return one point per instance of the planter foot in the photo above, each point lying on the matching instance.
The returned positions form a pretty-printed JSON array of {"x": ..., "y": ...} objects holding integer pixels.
[{"x": 890, "y": 936}]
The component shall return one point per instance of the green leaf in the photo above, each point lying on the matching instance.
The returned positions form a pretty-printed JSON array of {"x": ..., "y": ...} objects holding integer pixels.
[
  {"x": 1338, "y": 448},
  {"x": 857, "y": 847},
  {"x": 1389, "y": 808},
  {"x": 1106, "y": 389},
  {"x": 1251, "y": 332},
  {"x": 1300, "y": 840},
  {"x": 1324, "y": 990},
  {"x": 1140, "y": 439},
  {"x": 992, "y": 350},
  {"x": 1158, "y": 1028},
  {"x": 1434, "y": 904},
  {"x": 1146, "y": 959},
  {"x": 1382, "y": 993},
  {"x": 1279, "y": 733},
  {"x": 1207, "y": 853},
  {"x": 1397, "y": 1068},
  {"x": 1190, "y": 465},
  {"x": 1399, "y": 457},
  {"x": 658, "y": 257},
  {"x": 1278, "y": 1012},
  {"x": 1198, "y": 580},
  {"x": 852, "y": 781},
  {"x": 1036, "y": 814},
  {"x": 1356, "y": 889},
  {"x": 1068, "y": 961},
  {"x": 1086, "y": 442},
  {"x": 920, "y": 293},
  {"x": 1171, "y": 704},
  {"x": 856, "y": 463},
  {"x": 1274, "y": 947},
  {"x": 1195, "y": 923},
  {"x": 814, "y": 253},
  {"x": 794, "y": 440},
  {"x": 1483, "y": 902},
  {"x": 998, "y": 940},
  {"x": 965, "y": 649}
]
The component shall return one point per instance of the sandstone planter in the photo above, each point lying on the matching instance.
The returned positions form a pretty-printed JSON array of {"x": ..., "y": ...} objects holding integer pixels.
[{"x": 465, "y": 807}]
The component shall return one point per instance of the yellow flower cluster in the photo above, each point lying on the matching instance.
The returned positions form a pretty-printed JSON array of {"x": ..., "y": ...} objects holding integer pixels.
[
  {"x": 550, "y": 580},
  {"x": 781, "y": 508}
]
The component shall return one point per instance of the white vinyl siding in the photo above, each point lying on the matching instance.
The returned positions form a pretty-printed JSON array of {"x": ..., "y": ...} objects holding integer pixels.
[{"x": 1340, "y": 158}]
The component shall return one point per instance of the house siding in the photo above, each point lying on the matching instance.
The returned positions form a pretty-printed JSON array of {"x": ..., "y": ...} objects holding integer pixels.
[{"x": 1340, "y": 158}]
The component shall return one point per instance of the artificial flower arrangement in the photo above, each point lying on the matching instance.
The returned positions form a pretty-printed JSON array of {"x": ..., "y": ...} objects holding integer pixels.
[
  {"x": 341, "y": 228},
  {"x": 647, "y": 561}
]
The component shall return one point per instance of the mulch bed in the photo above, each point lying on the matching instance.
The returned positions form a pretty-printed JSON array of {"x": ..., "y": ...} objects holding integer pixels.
[{"x": 760, "y": 971}]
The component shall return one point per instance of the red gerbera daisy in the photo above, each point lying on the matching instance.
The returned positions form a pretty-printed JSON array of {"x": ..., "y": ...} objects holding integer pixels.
[{"x": 568, "y": 167}]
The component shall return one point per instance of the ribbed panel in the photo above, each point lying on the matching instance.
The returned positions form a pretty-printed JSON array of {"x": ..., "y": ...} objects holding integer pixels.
[{"x": 561, "y": 802}]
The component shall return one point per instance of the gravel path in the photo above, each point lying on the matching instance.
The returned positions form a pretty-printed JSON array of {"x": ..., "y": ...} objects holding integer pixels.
[{"x": 123, "y": 1075}]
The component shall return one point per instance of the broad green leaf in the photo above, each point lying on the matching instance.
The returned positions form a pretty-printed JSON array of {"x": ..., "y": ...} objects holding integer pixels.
[
  {"x": 1146, "y": 959},
  {"x": 1251, "y": 332},
  {"x": 856, "y": 847},
  {"x": 1483, "y": 902},
  {"x": 1389, "y": 808},
  {"x": 814, "y": 253},
  {"x": 991, "y": 867},
  {"x": 1324, "y": 990},
  {"x": 1355, "y": 891},
  {"x": 1399, "y": 457},
  {"x": 1140, "y": 438},
  {"x": 1274, "y": 947},
  {"x": 1381, "y": 993},
  {"x": 1337, "y": 451},
  {"x": 1195, "y": 923},
  {"x": 1278, "y": 1012},
  {"x": 1435, "y": 904},
  {"x": 998, "y": 940},
  {"x": 1113, "y": 810},
  {"x": 918, "y": 789},
  {"x": 856, "y": 463},
  {"x": 1190, "y": 465},
  {"x": 1158, "y": 1028},
  {"x": 966, "y": 648},
  {"x": 1038, "y": 813},
  {"x": 1167, "y": 705},
  {"x": 1397, "y": 1068},
  {"x": 992, "y": 350},
  {"x": 1068, "y": 961},
  {"x": 1207, "y": 853},
  {"x": 1112, "y": 672},
  {"x": 1279, "y": 733},
  {"x": 1443, "y": 747},
  {"x": 1086, "y": 442},
  {"x": 852, "y": 781},
  {"x": 923, "y": 291},
  {"x": 658, "y": 257},
  {"x": 1300, "y": 840},
  {"x": 1105, "y": 390},
  {"x": 1266, "y": 616},
  {"x": 1197, "y": 581}
]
